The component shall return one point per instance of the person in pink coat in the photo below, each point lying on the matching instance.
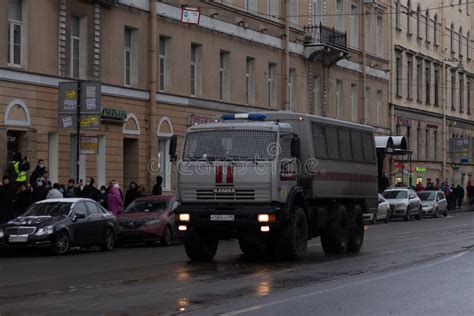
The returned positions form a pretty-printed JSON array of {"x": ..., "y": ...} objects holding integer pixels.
[{"x": 114, "y": 199}]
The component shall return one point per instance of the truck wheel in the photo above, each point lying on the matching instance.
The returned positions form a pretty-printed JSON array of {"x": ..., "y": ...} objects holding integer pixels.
[
  {"x": 335, "y": 236},
  {"x": 251, "y": 250},
  {"x": 294, "y": 240},
  {"x": 356, "y": 235},
  {"x": 198, "y": 246}
]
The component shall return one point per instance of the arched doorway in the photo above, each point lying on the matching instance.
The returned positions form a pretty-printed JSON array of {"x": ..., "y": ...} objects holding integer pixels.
[
  {"x": 164, "y": 133},
  {"x": 131, "y": 133}
]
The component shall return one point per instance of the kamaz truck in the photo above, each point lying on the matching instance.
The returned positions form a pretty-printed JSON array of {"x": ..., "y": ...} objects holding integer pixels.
[{"x": 273, "y": 181}]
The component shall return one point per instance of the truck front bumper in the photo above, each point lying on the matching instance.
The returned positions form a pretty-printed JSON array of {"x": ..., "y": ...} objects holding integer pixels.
[{"x": 231, "y": 221}]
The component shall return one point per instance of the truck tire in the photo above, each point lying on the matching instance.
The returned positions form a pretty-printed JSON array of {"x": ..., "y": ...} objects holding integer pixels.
[
  {"x": 251, "y": 250},
  {"x": 335, "y": 236},
  {"x": 198, "y": 246},
  {"x": 294, "y": 239},
  {"x": 356, "y": 235}
]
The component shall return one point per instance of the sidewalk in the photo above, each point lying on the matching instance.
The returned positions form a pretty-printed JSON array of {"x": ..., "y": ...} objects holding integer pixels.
[{"x": 464, "y": 208}]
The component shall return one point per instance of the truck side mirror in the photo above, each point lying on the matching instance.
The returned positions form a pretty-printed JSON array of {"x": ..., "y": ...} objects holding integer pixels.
[
  {"x": 173, "y": 144},
  {"x": 295, "y": 147}
]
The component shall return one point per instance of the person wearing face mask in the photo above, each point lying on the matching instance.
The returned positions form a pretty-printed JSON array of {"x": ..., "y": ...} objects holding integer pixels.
[
  {"x": 103, "y": 196},
  {"x": 132, "y": 194},
  {"x": 71, "y": 191},
  {"x": 38, "y": 172},
  {"x": 39, "y": 191},
  {"x": 90, "y": 191}
]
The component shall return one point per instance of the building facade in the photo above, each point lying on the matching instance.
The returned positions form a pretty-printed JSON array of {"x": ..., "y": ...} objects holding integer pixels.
[
  {"x": 160, "y": 75},
  {"x": 432, "y": 76}
]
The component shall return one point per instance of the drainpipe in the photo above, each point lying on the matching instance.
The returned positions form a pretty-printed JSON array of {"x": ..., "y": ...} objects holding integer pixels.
[
  {"x": 286, "y": 54},
  {"x": 362, "y": 109},
  {"x": 152, "y": 142},
  {"x": 443, "y": 94},
  {"x": 391, "y": 106}
]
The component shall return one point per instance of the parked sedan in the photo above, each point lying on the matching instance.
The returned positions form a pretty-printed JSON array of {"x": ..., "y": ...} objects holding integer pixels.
[
  {"x": 433, "y": 203},
  {"x": 59, "y": 224},
  {"x": 403, "y": 203},
  {"x": 383, "y": 212},
  {"x": 149, "y": 219}
]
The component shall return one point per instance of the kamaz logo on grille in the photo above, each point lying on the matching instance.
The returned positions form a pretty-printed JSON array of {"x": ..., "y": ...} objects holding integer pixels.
[
  {"x": 229, "y": 175},
  {"x": 224, "y": 190}
]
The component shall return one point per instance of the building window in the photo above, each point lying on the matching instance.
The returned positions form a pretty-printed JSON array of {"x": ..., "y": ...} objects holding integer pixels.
[
  {"x": 419, "y": 80},
  {"x": 435, "y": 145},
  {"x": 293, "y": 4},
  {"x": 468, "y": 7},
  {"x": 427, "y": 26},
  {"x": 468, "y": 46},
  {"x": 165, "y": 165},
  {"x": 75, "y": 46},
  {"x": 436, "y": 30},
  {"x": 15, "y": 30},
  {"x": 368, "y": 31},
  {"x": 468, "y": 87},
  {"x": 224, "y": 76},
  {"x": 195, "y": 70},
  {"x": 427, "y": 142},
  {"x": 418, "y": 22},
  {"x": 380, "y": 39},
  {"x": 399, "y": 75},
  {"x": 354, "y": 26},
  {"x": 397, "y": 14},
  {"x": 340, "y": 15},
  {"x": 273, "y": 9},
  {"x": 461, "y": 93},
  {"x": 428, "y": 83},
  {"x": 250, "y": 5},
  {"x": 292, "y": 88},
  {"x": 367, "y": 105},
  {"x": 418, "y": 143},
  {"x": 271, "y": 85},
  {"x": 436, "y": 85},
  {"x": 250, "y": 80},
  {"x": 128, "y": 56},
  {"x": 354, "y": 103},
  {"x": 378, "y": 105},
  {"x": 410, "y": 77},
  {"x": 317, "y": 10},
  {"x": 451, "y": 38},
  {"x": 316, "y": 95},
  {"x": 453, "y": 90},
  {"x": 338, "y": 98},
  {"x": 408, "y": 17},
  {"x": 460, "y": 42},
  {"x": 165, "y": 64}
]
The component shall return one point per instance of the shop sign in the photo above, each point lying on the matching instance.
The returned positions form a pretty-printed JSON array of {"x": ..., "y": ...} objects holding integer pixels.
[
  {"x": 113, "y": 115},
  {"x": 190, "y": 16},
  {"x": 68, "y": 97},
  {"x": 434, "y": 126},
  {"x": 403, "y": 121},
  {"x": 195, "y": 119},
  {"x": 89, "y": 145},
  {"x": 420, "y": 169}
]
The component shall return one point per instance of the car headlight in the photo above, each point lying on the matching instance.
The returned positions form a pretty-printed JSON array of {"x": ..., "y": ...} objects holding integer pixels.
[
  {"x": 152, "y": 222},
  {"x": 48, "y": 230},
  {"x": 2, "y": 233}
]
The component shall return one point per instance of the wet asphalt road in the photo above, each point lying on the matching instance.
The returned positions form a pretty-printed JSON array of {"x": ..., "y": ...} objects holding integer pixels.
[{"x": 420, "y": 267}]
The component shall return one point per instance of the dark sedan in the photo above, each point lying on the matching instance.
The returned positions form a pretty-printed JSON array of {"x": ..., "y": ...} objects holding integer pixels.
[
  {"x": 149, "y": 219},
  {"x": 59, "y": 224}
]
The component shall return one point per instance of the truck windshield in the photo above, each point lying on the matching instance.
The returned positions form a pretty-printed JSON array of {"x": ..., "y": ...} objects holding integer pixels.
[{"x": 230, "y": 144}]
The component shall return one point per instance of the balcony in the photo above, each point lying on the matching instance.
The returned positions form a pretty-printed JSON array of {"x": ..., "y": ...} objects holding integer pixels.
[{"x": 325, "y": 44}]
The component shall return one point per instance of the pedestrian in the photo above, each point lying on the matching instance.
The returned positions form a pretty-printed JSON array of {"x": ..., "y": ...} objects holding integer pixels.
[
  {"x": 429, "y": 186},
  {"x": 18, "y": 168},
  {"x": 90, "y": 190},
  {"x": 24, "y": 199},
  {"x": 103, "y": 196},
  {"x": 114, "y": 200},
  {"x": 38, "y": 172},
  {"x": 460, "y": 195},
  {"x": 8, "y": 198},
  {"x": 40, "y": 191},
  {"x": 470, "y": 193},
  {"x": 71, "y": 190},
  {"x": 132, "y": 194},
  {"x": 54, "y": 192},
  {"x": 419, "y": 187},
  {"x": 157, "y": 190}
]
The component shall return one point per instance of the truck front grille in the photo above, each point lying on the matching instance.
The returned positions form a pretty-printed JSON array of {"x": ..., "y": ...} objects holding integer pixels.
[{"x": 238, "y": 195}]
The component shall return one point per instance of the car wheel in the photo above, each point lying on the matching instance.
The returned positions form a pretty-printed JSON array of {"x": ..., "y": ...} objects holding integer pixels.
[
  {"x": 109, "y": 240},
  {"x": 445, "y": 214},
  {"x": 420, "y": 214},
  {"x": 62, "y": 243},
  {"x": 374, "y": 219},
  {"x": 407, "y": 216},
  {"x": 387, "y": 218},
  {"x": 167, "y": 237},
  {"x": 435, "y": 213}
]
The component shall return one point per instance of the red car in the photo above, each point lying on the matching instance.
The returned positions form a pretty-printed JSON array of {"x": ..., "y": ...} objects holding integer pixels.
[{"x": 149, "y": 219}]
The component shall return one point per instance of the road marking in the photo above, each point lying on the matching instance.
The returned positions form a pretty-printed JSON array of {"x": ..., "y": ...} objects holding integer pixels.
[{"x": 376, "y": 278}]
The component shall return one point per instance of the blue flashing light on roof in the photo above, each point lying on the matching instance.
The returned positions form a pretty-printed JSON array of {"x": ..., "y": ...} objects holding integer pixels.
[{"x": 244, "y": 116}]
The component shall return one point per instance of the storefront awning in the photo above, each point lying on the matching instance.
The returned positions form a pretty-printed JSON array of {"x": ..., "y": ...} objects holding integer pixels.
[
  {"x": 384, "y": 144},
  {"x": 400, "y": 143}
]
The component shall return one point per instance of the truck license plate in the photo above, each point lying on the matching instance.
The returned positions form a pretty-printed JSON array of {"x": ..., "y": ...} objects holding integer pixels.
[
  {"x": 222, "y": 217},
  {"x": 18, "y": 238}
]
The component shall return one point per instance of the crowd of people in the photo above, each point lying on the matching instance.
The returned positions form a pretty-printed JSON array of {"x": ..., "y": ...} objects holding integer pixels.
[
  {"x": 17, "y": 192},
  {"x": 455, "y": 194}
]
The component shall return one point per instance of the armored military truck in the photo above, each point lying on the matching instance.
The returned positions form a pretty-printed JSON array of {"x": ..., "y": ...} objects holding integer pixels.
[{"x": 274, "y": 180}]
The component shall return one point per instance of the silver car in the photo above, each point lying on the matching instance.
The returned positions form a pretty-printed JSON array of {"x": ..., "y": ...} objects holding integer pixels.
[
  {"x": 403, "y": 203},
  {"x": 433, "y": 203}
]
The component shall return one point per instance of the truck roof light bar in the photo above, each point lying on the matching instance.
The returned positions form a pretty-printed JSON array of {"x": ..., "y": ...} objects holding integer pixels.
[{"x": 244, "y": 116}]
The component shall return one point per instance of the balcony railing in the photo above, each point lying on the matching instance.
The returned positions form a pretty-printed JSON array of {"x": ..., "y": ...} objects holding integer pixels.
[{"x": 323, "y": 35}]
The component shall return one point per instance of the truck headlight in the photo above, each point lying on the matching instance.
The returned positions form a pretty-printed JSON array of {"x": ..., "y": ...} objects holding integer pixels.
[
  {"x": 265, "y": 218},
  {"x": 2, "y": 233},
  {"x": 48, "y": 230},
  {"x": 184, "y": 217}
]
